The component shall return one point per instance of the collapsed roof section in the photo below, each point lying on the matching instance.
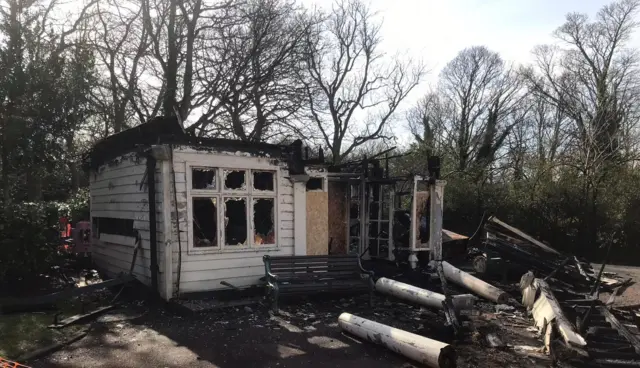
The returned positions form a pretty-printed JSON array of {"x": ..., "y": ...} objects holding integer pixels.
[{"x": 167, "y": 130}]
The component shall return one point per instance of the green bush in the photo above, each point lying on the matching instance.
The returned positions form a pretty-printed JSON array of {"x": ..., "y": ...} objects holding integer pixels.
[
  {"x": 77, "y": 207},
  {"x": 29, "y": 239},
  {"x": 562, "y": 211}
]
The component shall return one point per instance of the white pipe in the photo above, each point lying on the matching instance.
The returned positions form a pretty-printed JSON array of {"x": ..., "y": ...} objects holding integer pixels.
[
  {"x": 419, "y": 348},
  {"x": 421, "y": 296},
  {"x": 474, "y": 284}
]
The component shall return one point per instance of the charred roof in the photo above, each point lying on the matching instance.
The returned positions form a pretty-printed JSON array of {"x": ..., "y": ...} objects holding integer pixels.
[{"x": 167, "y": 130}]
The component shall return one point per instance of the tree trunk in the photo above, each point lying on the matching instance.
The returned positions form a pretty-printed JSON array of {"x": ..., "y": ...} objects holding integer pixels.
[
  {"x": 6, "y": 186},
  {"x": 172, "y": 62},
  {"x": 73, "y": 166},
  {"x": 34, "y": 183}
]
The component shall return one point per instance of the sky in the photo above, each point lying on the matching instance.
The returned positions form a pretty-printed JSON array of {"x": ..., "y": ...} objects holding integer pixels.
[{"x": 434, "y": 31}]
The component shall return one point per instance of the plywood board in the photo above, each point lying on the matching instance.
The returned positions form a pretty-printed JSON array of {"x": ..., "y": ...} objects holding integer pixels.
[
  {"x": 338, "y": 219},
  {"x": 317, "y": 223}
]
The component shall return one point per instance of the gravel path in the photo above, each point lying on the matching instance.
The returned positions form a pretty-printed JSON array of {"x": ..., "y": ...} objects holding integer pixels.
[{"x": 631, "y": 295}]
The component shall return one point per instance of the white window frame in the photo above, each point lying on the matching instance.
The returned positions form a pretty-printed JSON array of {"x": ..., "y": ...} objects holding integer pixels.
[{"x": 220, "y": 193}]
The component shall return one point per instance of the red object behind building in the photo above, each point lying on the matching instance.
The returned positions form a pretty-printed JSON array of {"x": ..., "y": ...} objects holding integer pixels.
[{"x": 65, "y": 228}]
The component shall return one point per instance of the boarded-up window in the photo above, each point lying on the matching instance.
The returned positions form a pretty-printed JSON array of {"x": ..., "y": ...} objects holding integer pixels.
[
  {"x": 264, "y": 221},
  {"x": 205, "y": 222},
  {"x": 235, "y": 224}
]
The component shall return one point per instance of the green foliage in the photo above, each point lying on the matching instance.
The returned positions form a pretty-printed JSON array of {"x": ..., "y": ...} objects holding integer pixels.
[
  {"x": 77, "y": 207},
  {"x": 562, "y": 211},
  {"x": 29, "y": 239}
]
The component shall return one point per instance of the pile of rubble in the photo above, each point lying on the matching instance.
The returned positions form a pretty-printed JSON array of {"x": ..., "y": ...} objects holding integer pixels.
[{"x": 561, "y": 293}]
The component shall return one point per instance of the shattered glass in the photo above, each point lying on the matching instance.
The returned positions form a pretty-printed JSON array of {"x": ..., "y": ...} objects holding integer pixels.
[
  {"x": 235, "y": 228},
  {"x": 203, "y": 178},
  {"x": 235, "y": 179},
  {"x": 264, "y": 221}
]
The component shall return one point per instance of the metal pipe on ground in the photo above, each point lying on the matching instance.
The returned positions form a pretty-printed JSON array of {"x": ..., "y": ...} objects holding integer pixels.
[
  {"x": 421, "y": 296},
  {"x": 474, "y": 284},
  {"x": 419, "y": 348}
]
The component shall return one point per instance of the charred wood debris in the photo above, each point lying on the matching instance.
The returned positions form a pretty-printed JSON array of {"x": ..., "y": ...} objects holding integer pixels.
[{"x": 561, "y": 294}]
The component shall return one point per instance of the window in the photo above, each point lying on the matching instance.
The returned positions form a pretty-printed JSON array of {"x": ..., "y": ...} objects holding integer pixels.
[
  {"x": 113, "y": 226},
  {"x": 205, "y": 222},
  {"x": 315, "y": 184},
  {"x": 231, "y": 208}
]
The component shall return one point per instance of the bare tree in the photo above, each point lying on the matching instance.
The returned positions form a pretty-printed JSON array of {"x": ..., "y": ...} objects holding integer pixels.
[
  {"x": 426, "y": 123},
  {"x": 120, "y": 42},
  {"x": 594, "y": 79},
  {"x": 249, "y": 71},
  {"x": 148, "y": 50},
  {"x": 478, "y": 104},
  {"x": 549, "y": 124},
  {"x": 353, "y": 90}
]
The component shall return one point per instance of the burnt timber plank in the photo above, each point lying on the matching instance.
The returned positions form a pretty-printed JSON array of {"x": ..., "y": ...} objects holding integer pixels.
[
  {"x": 80, "y": 317},
  {"x": 622, "y": 330}
]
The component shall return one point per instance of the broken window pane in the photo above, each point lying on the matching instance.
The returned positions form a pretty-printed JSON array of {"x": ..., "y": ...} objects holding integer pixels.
[
  {"x": 235, "y": 228},
  {"x": 203, "y": 178},
  {"x": 263, "y": 180},
  {"x": 235, "y": 179},
  {"x": 263, "y": 221},
  {"x": 205, "y": 222}
]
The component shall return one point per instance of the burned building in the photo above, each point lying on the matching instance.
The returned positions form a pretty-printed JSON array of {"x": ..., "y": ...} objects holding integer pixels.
[{"x": 194, "y": 212}]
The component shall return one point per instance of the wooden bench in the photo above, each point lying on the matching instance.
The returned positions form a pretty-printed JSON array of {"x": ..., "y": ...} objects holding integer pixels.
[{"x": 297, "y": 275}]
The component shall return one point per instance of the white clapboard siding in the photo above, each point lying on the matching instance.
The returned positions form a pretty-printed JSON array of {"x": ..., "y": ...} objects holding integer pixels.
[
  {"x": 204, "y": 271},
  {"x": 116, "y": 193},
  {"x": 118, "y": 190},
  {"x": 239, "y": 281},
  {"x": 120, "y": 206},
  {"x": 118, "y": 258},
  {"x": 128, "y": 159},
  {"x": 214, "y": 257},
  {"x": 124, "y": 198},
  {"x": 227, "y": 274}
]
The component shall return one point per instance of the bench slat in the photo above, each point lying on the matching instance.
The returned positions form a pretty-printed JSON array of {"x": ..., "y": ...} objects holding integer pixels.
[
  {"x": 318, "y": 262},
  {"x": 315, "y": 277},
  {"x": 329, "y": 268},
  {"x": 340, "y": 256},
  {"x": 317, "y": 274},
  {"x": 322, "y": 285}
]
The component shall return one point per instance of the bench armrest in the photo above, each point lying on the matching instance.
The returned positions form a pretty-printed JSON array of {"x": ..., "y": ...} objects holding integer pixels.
[
  {"x": 362, "y": 270},
  {"x": 267, "y": 269}
]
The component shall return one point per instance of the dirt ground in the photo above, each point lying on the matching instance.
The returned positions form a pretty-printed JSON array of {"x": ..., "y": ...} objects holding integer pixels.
[
  {"x": 306, "y": 334},
  {"x": 631, "y": 294}
]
